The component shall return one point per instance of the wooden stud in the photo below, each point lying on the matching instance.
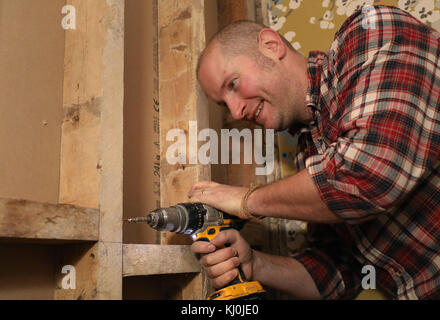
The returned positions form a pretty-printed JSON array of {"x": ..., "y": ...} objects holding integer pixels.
[
  {"x": 181, "y": 39},
  {"x": 92, "y": 144}
]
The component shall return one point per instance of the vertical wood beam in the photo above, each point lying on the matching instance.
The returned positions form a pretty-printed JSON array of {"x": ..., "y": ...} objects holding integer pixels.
[
  {"x": 181, "y": 35},
  {"x": 92, "y": 145},
  {"x": 234, "y": 10},
  {"x": 181, "y": 39}
]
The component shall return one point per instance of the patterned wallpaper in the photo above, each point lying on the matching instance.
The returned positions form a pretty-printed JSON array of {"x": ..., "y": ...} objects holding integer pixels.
[{"x": 311, "y": 24}]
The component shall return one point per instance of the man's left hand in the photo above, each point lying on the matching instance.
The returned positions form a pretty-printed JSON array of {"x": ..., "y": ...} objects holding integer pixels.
[{"x": 223, "y": 197}]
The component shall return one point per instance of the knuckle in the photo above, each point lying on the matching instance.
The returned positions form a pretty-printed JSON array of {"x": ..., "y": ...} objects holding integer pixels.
[
  {"x": 215, "y": 284},
  {"x": 235, "y": 262},
  {"x": 203, "y": 261},
  {"x": 207, "y": 260},
  {"x": 219, "y": 282},
  {"x": 208, "y": 272},
  {"x": 195, "y": 247}
]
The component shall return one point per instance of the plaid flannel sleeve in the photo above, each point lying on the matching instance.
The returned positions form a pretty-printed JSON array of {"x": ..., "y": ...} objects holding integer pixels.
[
  {"x": 379, "y": 82},
  {"x": 334, "y": 270}
]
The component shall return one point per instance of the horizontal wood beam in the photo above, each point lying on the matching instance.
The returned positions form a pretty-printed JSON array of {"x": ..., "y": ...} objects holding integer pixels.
[
  {"x": 23, "y": 219},
  {"x": 151, "y": 259}
]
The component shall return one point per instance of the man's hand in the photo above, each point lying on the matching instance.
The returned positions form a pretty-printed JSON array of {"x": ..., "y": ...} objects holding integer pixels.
[
  {"x": 220, "y": 196},
  {"x": 220, "y": 265}
]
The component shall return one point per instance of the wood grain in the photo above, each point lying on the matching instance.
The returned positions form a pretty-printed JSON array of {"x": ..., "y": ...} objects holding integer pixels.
[
  {"x": 151, "y": 259},
  {"x": 22, "y": 219}
]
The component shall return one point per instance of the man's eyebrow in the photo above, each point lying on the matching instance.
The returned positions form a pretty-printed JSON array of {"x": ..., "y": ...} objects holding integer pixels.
[
  {"x": 227, "y": 79},
  {"x": 224, "y": 84}
]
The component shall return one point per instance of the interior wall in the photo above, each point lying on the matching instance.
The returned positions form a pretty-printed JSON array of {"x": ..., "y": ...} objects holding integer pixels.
[
  {"x": 157, "y": 287},
  {"x": 26, "y": 272},
  {"x": 31, "y": 95},
  {"x": 139, "y": 149}
]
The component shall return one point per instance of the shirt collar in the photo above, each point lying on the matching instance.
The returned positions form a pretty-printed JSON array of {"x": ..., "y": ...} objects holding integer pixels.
[{"x": 314, "y": 68}]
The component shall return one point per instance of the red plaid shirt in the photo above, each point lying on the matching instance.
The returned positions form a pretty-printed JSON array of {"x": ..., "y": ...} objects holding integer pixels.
[{"x": 373, "y": 154}]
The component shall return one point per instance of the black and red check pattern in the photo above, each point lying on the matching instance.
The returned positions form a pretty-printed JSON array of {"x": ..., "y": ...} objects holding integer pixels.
[{"x": 373, "y": 153}]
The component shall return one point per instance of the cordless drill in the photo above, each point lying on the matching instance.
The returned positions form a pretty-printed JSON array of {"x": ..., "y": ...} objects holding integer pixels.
[{"x": 203, "y": 223}]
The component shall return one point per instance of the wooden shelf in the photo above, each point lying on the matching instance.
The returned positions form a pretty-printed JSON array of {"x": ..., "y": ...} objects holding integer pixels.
[
  {"x": 152, "y": 259},
  {"x": 29, "y": 221}
]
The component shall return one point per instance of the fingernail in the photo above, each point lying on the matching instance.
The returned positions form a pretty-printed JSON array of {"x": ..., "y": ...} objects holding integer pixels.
[{"x": 211, "y": 247}]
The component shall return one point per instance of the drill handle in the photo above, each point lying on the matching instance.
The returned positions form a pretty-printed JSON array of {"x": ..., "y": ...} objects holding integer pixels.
[{"x": 232, "y": 222}]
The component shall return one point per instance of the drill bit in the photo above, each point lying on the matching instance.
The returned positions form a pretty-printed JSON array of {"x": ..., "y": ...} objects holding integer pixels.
[{"x": 146, "y": 219}]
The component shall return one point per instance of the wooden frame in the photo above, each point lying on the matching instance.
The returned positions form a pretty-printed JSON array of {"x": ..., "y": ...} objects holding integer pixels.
[{"x": 86, "y": 223}]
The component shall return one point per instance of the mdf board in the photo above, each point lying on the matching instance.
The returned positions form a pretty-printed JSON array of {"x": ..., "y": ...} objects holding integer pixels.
[
  {"x": 26, "y": 272},
  {"x": 31, "y": 95},
  {"x": 141, "y": 130}
]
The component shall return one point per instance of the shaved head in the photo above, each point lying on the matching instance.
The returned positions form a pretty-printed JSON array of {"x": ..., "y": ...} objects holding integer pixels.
[{"x": 239, "y": 38}]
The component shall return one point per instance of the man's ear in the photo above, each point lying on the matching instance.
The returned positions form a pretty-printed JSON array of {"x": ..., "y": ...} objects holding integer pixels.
[{"x": 271, "y": 44}]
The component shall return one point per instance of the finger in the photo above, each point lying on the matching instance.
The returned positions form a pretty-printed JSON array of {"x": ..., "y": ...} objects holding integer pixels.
[
  {"x": 218, "y": 256},
  {"x": 198, "y": 186},
  {"x": 222, "y": 268},
  {"x": 202, "y": 247},
  {"x": 225, "y": 237},
  {"x": 224, "y": 279}
]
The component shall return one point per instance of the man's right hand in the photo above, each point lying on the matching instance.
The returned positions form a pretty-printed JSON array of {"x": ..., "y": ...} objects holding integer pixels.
[{"x": 220, "y": 264}]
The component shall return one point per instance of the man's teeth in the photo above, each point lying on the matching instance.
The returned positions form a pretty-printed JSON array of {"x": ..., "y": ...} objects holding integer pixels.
[{"x": 259, "y": 109}]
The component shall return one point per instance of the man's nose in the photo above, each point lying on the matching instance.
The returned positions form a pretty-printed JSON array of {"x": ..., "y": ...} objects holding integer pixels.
[{"x": 237, "y": 108}]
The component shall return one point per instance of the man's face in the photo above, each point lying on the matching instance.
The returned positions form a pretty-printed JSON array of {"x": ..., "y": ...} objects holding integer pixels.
[{"x": 250, "y": 91}]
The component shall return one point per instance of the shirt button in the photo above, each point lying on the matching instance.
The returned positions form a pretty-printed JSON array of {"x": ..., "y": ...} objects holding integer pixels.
[{"x": 398, "y": 273}]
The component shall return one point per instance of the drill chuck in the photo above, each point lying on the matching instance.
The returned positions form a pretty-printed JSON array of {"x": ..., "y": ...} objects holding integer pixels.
[{"x": 184, "y": 218}]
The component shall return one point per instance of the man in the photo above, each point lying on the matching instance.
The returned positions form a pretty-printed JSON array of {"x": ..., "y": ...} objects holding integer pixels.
[{"x": 368, "y": 180}]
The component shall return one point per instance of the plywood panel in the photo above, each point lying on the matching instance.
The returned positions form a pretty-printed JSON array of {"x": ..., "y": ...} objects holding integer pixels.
[{"x": 31, "y": 88}]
